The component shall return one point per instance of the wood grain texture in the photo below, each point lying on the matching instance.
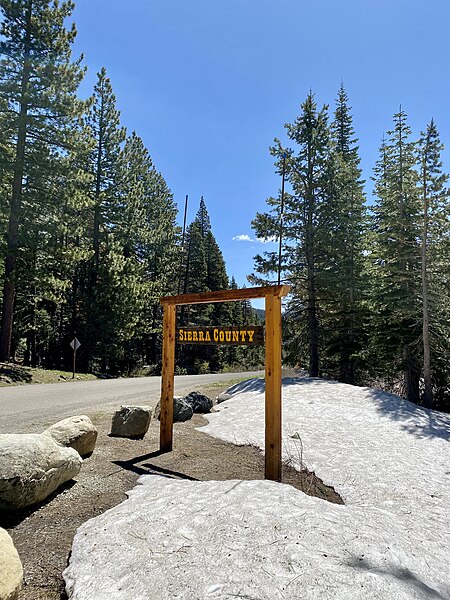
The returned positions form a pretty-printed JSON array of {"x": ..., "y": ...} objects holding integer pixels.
[
  {"x": 273, "y": 389},
  {"x": 167, "y": 380},
  {"x": 227, "y": 295}
]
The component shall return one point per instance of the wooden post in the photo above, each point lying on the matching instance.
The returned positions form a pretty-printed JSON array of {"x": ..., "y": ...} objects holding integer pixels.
[
  {"x": 273, "y": 388},
  {"x": 272, "y": 295},
  {"x": 167, "y": 378}
]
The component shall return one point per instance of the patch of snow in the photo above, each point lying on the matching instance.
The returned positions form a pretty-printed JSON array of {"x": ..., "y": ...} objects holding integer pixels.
[
  {"x": 190, "y": 540},
  {"x": 238, "y": 539},
  {"x": 389, "y": 460}
]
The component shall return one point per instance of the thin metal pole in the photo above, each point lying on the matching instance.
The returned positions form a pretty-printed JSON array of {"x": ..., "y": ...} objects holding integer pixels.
[
  {"x": 280, "y": 237},
  {"x": 182, "y": 242},
  {"x": 74, "y": 363}
]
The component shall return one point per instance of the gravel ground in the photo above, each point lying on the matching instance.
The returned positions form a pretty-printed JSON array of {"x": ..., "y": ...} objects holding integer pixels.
[{"x": 43, "y": 535}]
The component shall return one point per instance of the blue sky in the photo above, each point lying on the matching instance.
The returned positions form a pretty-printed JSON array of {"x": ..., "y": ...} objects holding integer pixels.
[{"x": 208, "y": 84}]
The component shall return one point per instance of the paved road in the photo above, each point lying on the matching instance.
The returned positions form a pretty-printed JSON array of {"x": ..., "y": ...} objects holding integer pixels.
[{"x": 31, "y": 406}]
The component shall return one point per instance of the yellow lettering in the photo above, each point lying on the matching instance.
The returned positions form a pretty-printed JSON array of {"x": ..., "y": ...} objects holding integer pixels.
[
  {"x": 180, "y": 335},
  {"x": 189, "y": 334},
  {"x": 235, "y": 336},
  {"x": 228, "y": 336},
  {"x": 216, "y": 335},
  {"x": 207, "y": 336},
  {"x": 250, "y": 335},
  {"x": 243, "y": 335},
  {"x": 194, "y": 336},
  {"x": 221, "y": 336},
  {"x": 200, "y": 336}
]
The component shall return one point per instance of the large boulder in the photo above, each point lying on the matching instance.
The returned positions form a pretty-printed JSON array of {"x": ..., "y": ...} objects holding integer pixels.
[
  {"x": 131, "y": 421},
  {"x": 11, "y": 572},
  {"x": 182, "y": 410},
  {"x": 32, "y": 466},
  {"x": 199, "y": 402},
  {"x": 78, "y": 433}
]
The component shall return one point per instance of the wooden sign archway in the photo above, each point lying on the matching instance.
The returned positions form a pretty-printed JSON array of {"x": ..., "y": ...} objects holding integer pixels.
[{"x": 272, "y": 295}]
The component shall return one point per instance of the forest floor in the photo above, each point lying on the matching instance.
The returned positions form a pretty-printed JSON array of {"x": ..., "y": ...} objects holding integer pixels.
[{"x": 43, "y": 535}]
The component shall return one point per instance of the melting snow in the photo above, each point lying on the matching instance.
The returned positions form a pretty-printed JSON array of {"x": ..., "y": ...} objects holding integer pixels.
[{"x": 389, "y": 459}]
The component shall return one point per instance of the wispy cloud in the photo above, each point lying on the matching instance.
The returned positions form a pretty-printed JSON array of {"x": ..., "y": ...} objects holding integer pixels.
[
  {"x": 243, "y": 238},
  {"x": 246, "y": 238}
]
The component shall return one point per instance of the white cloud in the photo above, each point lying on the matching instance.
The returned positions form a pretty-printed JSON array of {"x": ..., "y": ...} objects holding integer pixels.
[
  {"x": 246, "y": 238},
  {"x": 243, "y": 238}
]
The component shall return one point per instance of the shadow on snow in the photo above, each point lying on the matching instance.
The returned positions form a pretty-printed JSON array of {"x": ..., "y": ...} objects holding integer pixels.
[{"x": 416, "y": 420}]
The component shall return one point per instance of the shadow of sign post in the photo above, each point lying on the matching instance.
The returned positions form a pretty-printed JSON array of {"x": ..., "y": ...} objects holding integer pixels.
[{"x": 245, "y": 335}]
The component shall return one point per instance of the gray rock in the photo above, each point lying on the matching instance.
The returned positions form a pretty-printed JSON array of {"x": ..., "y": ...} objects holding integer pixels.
[
  {"x": 223, "y": 396},
  {"x": 78, "y": 433},
  {"x": 199, "y": 402},
  {"x": 10, "y": 568},
  {"x": 182, "y": 410},
  {"x": 32, "y": 466},
  {"x": 131, "y": 421}
]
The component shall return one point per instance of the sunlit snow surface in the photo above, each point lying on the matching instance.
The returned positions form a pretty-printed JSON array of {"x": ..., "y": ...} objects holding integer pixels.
[{"x": 389, "y": 460}]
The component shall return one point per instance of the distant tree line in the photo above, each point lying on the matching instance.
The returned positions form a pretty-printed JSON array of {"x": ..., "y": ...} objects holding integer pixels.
[
  {"x": 370, "y": 281},
  {"x": 89, "y": 240}
]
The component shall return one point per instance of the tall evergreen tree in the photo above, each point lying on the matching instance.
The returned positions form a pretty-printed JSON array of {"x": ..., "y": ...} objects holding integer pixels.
[
  {"x": 38, "y": 85},
  {"x": 204, "y": 270},
  {"x": 344, "y": 211},
  {"x": 99, "y": 278},
  {"x": 435, "y": 261},
  {"x": 396, "y": 273},
  {"x": 145, "y": 230},
  {"x": 304, "y": 224}
]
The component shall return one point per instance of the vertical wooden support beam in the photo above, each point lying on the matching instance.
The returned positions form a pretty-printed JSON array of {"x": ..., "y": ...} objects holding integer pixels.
[
  {"x": 273, "y": 388},
  {"x": 167, "y": 379}
]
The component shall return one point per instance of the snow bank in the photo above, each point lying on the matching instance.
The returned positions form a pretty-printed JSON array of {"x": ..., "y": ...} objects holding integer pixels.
[
  {"x": 389, "y": 460},
  {"x": 236, "y": 539},
  {"x": 261, "y": 540}
]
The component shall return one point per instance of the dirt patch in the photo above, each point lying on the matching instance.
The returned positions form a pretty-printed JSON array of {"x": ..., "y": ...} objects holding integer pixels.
[{"x": 43, "y": 535}]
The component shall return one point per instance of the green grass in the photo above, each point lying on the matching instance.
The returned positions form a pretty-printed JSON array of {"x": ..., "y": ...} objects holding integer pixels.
[
  {"x": 228, "y": 382},
  {"x": 12, "y": 374}
]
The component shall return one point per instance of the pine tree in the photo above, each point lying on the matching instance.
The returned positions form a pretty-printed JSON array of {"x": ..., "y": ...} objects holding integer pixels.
[
  {"x": 304, "y": 226},
  {"x": 343, "y": 286},
  {"x": 203, "y": 270},
  {"x": 145, "y": 230},
  {"x": 396, "y": 256},
  {"x": 109, "y": 135},
  {"x": 435, "y": 260},
  {"x": 102, "y": 272},
  {"x": 38, "y": 84}
]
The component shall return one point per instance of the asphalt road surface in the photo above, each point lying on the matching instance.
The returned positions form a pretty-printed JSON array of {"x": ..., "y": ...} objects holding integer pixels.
[{"x": 22, "y": 406}]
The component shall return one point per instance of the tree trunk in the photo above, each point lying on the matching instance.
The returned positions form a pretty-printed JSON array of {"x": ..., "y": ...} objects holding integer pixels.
[
  {"x": 411, "y": 374},
  {"x": 428, "y": 392},
  {"x": 313, "y": 327},
  {"x": 15, "y": 205}
]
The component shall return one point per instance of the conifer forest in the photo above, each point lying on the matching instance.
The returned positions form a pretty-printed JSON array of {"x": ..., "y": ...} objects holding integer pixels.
[{"x": 90, "y": 242}]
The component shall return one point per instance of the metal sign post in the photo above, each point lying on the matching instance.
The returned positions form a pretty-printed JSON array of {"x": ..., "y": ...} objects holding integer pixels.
[{"x": 75, "y": 344}]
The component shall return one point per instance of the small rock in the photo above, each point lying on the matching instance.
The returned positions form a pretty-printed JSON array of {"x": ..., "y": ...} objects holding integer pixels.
[
  {"x": 222, "y": 397},
  {"x": 182, "y": 410},
  {"x": 199, "y": 402},
  {"x": 32, "y": 466},
  {"x": 10, "y": 568},
  {"x": 75, "y": 432},
  {"x": 131, "y": 421}
]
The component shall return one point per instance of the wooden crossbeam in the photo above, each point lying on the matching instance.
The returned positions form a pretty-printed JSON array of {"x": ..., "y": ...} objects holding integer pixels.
[
  {"x": 272, "y": 295},
  {"x": 227, "y": 295}
]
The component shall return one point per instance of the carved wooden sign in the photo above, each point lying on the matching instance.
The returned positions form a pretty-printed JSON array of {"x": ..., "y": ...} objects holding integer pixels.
[{"x": 244, "y": 335}]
